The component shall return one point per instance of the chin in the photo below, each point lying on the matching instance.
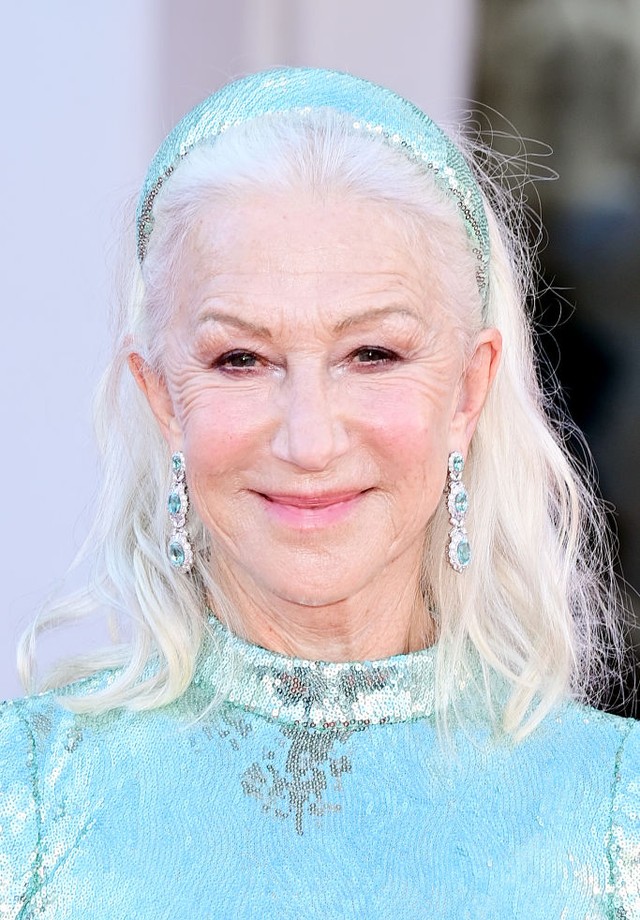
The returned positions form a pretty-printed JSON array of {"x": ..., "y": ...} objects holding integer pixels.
[
  {"x": 314, "y": 593},
  {"x": 311, "y": 596}
]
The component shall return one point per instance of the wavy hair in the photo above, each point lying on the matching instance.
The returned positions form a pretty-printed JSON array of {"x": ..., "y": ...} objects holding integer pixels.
[{"x": 536, "y": 613}]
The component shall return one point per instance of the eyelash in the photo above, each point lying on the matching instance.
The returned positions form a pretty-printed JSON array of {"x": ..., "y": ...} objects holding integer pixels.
[
  {"x": 383, "y": 356},
  {"x": 225, "y": 361}
]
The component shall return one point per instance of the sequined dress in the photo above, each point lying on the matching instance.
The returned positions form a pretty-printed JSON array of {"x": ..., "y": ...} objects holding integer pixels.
[{"x": 314, "y": 790}]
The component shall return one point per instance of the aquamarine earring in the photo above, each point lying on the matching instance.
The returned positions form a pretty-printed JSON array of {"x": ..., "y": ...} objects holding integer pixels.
[
  {"x": 459, "y": 549},
  {"x": 179, "y": 548}
]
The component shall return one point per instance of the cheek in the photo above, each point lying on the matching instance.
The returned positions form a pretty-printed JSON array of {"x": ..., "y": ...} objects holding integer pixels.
[
  {"x": 409, "y": 434},
  {"x": 219, "y": 444},
  {"x": 409, "y": 420},
  {"x": 219, "y": 434}
]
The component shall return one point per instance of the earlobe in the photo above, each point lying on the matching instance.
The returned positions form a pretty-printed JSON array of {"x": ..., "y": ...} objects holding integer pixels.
[
  {"x": 475, "y": 386},
  {"x": 155, "y": 390}
]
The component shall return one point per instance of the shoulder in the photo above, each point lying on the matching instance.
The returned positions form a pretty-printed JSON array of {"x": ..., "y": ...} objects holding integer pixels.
[
  {"x": 57, "y": 770},
  {"x": 611, "y": 745},
  {"x": 28, "y": 727},
  {"x": 40, "y": 741},
  {"x": 38, "y": 732},
  {"x": 589, "y": 733},
  {"x": 38, "y": 721},
  {"x": 625, "y": 822},
  {"x": 31, "y": 731},
  {"x": 20, "y": 812}
]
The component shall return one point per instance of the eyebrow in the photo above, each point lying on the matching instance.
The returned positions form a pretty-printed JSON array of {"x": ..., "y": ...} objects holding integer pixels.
[
  {"x": 219, "y": 316},
  {"x": 375, "y": 313},
  {"x": 349, "y": 322}
]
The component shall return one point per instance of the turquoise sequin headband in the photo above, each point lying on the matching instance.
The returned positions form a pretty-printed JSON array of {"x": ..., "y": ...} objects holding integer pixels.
[{"x": 373, "y": 108}]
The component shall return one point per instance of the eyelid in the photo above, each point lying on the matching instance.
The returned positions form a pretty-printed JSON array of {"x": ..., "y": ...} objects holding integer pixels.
[
  {"x": 221, "y": 360},
  {"x": 386, "y": 354}
]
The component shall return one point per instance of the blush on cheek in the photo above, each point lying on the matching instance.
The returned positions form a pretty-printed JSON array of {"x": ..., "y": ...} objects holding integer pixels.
[
  {"x": 416, "y": 447},
  {"x": 215, "y": 447},
  {"x": 402, "y": 425}
]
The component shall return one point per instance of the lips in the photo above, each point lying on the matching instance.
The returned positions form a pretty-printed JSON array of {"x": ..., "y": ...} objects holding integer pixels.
[
  {"x": 310, "y": 511},
  {"x": 323, "y": 500}
]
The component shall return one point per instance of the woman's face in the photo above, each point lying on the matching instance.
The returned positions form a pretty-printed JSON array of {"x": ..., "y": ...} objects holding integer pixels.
[{"x": 316, "y": 387}]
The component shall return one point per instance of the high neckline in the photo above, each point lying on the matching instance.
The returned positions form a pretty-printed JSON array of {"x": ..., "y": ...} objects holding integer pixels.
[{"x": 316, "y": 694}]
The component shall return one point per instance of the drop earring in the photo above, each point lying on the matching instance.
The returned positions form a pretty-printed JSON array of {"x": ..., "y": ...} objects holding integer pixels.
[
  {"x": 179, "y": 547},
  {"x": 459, "y": 549}
]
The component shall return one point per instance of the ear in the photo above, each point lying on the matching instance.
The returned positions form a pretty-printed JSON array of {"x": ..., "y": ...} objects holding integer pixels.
[
  {"x": 155, "y": 389},
  {"x": 475, "y": 384}
]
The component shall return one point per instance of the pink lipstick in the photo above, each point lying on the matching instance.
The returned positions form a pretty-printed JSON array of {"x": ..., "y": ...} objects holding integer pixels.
[{"x": 310, "y": 510}]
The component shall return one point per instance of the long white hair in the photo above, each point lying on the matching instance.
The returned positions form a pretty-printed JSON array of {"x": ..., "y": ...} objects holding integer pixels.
[{"x": 536, "y": 612}]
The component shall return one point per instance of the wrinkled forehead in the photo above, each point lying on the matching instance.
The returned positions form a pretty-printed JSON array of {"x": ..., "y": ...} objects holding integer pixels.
[{"x": 293, "y": 254}]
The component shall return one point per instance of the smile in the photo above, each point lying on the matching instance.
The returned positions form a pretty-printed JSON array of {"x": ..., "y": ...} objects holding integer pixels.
[{"x": 310, "y": 511}]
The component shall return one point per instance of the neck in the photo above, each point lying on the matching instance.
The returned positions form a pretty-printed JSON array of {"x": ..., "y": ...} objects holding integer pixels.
[{"x": 381, "y": 620}]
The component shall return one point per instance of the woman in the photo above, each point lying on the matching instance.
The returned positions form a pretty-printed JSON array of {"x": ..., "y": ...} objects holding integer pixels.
[{"x": 335, "y": 698}]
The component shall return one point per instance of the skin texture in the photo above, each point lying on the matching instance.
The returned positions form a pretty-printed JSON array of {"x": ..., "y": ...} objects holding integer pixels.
[{"x": 316, "y": 386}]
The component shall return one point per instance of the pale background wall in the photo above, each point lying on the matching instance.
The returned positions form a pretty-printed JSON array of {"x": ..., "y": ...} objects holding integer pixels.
[{"x": 87, "y": 93}]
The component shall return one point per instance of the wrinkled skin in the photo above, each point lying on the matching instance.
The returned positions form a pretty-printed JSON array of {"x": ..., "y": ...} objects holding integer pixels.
[{"x": 316, "y": 386}]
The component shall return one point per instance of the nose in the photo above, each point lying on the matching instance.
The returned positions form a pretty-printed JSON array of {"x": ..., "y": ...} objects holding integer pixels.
[{"x": 310, "y": 433}]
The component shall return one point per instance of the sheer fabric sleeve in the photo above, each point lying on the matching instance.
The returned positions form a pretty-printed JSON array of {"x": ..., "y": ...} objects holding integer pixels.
[
  {"x": 19, "y": 813},
  {"x": 625, "y": 828}
]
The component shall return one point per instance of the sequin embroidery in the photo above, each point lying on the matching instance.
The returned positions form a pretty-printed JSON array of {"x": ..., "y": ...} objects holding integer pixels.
[
  {"x": 373, "y": 109},
  {"x": 270, "y": 805}
]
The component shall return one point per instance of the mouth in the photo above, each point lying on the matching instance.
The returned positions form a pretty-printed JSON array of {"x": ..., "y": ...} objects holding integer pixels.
[
  {"x": 311, "y": 510},
  {"x": 310, "y": 500}
]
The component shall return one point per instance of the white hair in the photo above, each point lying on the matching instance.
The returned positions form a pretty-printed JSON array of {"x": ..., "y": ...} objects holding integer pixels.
[{"x": 533, "y": 619}]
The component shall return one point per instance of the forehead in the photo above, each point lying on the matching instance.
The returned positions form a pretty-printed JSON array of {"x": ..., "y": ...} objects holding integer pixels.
[
  {"x": 295, "y": 233},
  {"x": 296, "y": 239}
]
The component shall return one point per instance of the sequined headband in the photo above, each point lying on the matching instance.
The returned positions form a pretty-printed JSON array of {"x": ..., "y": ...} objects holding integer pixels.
[{"x": 373, "y": 108}]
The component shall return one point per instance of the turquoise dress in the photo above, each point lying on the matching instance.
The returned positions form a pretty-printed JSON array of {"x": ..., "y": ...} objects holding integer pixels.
[{"x": 313, "y": 790}]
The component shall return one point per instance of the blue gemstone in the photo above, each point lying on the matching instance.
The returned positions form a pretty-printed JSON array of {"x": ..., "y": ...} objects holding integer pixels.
[
  {"x": 174, "y": 503},
  {"x": 463, "y": 552},
  {"x": 457, "y": 463},
  {"x": 176, "y": 554},
  {"x": 177, "y": 463},
  {"x": 461, "y": 502}
]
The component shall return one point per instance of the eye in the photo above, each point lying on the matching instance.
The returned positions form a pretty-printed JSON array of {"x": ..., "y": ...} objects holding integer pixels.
[
  {"x": 372, "y": 355},
  {"x": 238, "y": 360}
]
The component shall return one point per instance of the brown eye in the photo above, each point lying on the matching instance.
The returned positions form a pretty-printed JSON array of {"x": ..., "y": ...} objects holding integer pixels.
[
  {"x": 237, "y": 360},
  {"x": 371, "y": 355}
]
